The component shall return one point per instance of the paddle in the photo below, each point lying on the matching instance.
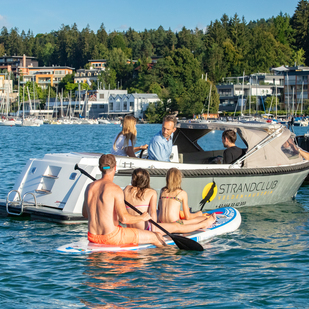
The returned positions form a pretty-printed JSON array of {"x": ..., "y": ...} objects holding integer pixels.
[{"x": 180, "y": 241}]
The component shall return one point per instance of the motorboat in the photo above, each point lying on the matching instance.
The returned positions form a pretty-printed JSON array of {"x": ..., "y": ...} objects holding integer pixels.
[
  {"x": 103, "y": 121},
  {"x": 270, "y": 171}
]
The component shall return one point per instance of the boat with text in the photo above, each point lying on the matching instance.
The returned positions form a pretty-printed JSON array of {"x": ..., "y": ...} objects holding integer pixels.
[{"x": 270, "y": 171}]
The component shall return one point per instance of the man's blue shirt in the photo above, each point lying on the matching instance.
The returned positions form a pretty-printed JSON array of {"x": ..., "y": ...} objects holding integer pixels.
[{"x": 159, "y": 148}]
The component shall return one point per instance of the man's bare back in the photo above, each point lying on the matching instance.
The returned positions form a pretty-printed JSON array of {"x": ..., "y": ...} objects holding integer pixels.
[{"x": 104, "y": 207}]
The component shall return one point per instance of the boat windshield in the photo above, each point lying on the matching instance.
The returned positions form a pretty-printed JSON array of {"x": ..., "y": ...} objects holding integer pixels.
[{"x": 289, "y": 149}]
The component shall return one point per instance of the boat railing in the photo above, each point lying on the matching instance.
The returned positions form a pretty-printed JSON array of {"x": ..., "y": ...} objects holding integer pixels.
[{"x": 19, "y": 203}]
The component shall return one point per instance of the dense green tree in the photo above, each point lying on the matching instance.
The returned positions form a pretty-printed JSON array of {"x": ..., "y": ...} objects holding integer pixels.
[{"x": 300, "y": 24}]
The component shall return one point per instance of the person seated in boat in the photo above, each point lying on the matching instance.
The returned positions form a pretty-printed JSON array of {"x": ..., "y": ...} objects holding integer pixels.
[
  {"x": 140, "y": 195},
  {"x": 160, "y": 146},
  {"x": 124, "y": 142},
  {"x": 104, "y": 206},
  {"x": 232, "y": 153}
]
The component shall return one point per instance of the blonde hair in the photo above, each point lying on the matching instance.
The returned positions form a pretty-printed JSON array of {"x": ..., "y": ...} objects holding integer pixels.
[
  {"x": 128, "y": 130},
  {"x": 173, "y": 180}
]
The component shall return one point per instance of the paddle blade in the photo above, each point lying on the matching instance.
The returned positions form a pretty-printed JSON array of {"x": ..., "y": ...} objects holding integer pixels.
[{"x": 186, "y": 243}]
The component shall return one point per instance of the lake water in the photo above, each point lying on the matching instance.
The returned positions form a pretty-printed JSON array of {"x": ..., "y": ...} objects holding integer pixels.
[{"x": 264, "y": 264}]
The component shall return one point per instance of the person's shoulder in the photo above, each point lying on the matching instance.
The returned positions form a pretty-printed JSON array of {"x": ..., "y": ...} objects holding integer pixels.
[
  {"x": 127, "y": 188},
  {"x": 152, "y": 191}
]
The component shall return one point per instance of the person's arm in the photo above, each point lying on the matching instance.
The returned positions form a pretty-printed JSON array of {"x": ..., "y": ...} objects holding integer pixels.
[
  {"x": 123, "y": 216},
  {"x": 186, "y": 209},
  {"x": 130, "y": 151},
  {"x": 153, "y": 206},
  {"x": 85, "y": 204},
  {"x": 304, "y": 153},
  {"x": 143, "y": 147}
]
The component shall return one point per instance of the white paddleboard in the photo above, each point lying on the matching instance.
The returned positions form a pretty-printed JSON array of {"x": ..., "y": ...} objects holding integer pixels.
[{"x": 228, "y": 220}]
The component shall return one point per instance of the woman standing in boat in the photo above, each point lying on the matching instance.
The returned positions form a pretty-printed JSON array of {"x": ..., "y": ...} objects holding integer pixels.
[
  {"x": 125, "y": 140},
  {"x": 140, "y": 195}
]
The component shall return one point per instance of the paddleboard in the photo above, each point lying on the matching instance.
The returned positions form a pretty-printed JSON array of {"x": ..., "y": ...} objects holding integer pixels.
[{"x": 228, "y": 220}]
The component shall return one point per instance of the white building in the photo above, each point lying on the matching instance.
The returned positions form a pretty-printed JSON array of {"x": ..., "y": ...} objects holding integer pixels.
[{"x": 135, "y": 104}]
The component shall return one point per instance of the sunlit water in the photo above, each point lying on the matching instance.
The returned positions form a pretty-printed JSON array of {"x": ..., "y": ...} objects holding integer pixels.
[{"x": 263, "y": 264}]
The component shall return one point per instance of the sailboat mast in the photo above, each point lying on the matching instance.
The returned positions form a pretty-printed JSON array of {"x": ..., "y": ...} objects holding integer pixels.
[
  {"x": 242, "y": 95},
  {"x": 8, "y": 96},
  {"x": 23, "y": 103},
  {"x": 302, "y": 98}
]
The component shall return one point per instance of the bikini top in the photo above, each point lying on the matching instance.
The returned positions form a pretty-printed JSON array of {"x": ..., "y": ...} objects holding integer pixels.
[{"x": 172, "y": 197}]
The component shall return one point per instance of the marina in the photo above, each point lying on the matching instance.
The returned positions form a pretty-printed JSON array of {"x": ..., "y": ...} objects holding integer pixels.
[{"x": 268, "y": 254}]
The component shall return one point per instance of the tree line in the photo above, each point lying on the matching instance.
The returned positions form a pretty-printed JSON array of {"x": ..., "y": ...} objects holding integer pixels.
[{"x": 228, "y": 47}]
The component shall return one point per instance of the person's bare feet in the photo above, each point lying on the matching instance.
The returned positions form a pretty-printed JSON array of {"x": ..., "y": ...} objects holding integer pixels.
[
  {"x": 209, "y": 221},
  {"x": 160, "y": 241}
]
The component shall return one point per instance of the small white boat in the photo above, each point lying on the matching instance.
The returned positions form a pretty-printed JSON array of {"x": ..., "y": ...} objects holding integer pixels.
[
  {"x": 271, "y": 171},
  {"x": 103, "y": 121},
  {"x": 27, "y": 123}
]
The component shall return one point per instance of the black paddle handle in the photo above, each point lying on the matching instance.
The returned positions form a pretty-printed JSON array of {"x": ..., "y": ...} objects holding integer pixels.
[
  {"x": 127, "y": 203},
  {"x": 83, "y": 172}
]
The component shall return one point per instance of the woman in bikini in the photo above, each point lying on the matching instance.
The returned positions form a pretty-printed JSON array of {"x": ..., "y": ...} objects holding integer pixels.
[
  {"x": 171, "y": 198},
  {"x": 140, "y": 195}
]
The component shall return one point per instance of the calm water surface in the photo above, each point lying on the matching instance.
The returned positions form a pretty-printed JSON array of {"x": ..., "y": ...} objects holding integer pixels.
[{"x": 264, "y": 264}]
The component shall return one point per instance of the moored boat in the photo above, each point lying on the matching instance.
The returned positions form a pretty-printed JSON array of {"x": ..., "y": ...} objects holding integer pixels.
[{"x": 271, "y": 171}]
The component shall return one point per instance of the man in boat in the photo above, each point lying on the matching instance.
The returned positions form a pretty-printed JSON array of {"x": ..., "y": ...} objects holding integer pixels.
[
  {"x": 104, "y": 206},
  {"x": 160, "y": 146},
  {"x": 232, "y": 153}
]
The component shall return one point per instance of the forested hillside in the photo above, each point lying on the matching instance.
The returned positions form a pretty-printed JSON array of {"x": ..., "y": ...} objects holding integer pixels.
[{"x": 228, "y": 47}]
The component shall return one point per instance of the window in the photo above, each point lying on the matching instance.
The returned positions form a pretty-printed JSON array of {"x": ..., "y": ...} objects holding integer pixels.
[
  {"x": 111, "y": 106},
  {"x": 289, "y": 149},
  {"x": 94, "y": 106},
  {"x": 102, "y": 106},
  {"x": 131, "y": 106},
  {"x": 101, "y": 96},
  {"x": 117, "y": 107},
  {"x": 125, "y": 105}
]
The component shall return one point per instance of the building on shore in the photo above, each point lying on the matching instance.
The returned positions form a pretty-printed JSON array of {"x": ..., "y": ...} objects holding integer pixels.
[
  {"x": 236, "y": 92},
  {"x": 135, "y": 104},
  {"x": 296, "y": 83},
  {"x": 45, "y": 76},
  {"x": 15, "y": 63}
]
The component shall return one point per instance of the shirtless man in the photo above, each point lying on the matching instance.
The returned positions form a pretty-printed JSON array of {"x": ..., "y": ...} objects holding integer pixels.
[{"x": 104, "y": 206}]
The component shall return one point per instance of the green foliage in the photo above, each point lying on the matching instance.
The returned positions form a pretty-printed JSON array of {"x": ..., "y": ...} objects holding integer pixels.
[
  {"x": 155, "y": 112},
  {"x": 108, "y": 79},
  {"x": 228, "y": 48}
]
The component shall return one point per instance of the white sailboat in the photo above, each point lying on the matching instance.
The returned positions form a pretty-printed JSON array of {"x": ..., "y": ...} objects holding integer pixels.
[
  {"x": 8, "y": 121},
  {"x": 29, "y": 122}
]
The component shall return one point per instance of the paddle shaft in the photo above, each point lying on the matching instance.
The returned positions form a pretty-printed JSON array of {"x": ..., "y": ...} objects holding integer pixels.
[
  {"x": 127, "y": 203},
  {"x": 180, "y": 241}
]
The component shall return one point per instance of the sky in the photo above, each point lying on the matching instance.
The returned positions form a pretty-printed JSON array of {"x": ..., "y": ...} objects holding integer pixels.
[{"x": 120, "y": 15}]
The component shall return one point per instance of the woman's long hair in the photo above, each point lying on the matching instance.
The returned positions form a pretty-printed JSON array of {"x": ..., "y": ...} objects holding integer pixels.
[
  {"x": 128, "y": 130},
  {"x": 173, "y": 180},
  {"x": 140, "y": 181}
]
